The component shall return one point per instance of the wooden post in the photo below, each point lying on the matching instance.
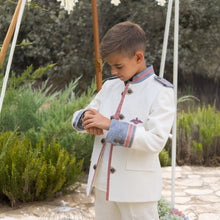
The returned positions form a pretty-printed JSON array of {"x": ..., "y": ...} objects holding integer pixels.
[
  {"x": 9, "y": 33},
  {"x": 98, "y": 60},
  {"x": 10, "y": 58}
]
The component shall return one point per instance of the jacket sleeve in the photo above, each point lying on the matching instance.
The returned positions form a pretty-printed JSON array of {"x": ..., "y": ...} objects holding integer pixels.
[
  {"x": 78, "y": 115},
  {"x": 77, "y": 120},
  {"x": 153, "y": 134}
]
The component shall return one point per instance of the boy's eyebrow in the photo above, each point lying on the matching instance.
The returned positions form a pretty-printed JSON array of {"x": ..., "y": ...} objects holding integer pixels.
[{"x": 117, "y": 64}]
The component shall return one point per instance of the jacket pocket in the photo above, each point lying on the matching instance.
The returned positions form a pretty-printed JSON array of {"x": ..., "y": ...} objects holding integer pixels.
[{"x": 142, "y": 161}]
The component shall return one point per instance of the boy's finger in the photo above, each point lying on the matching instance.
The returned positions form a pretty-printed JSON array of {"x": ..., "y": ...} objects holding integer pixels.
[
  {"x": 95, "y": 131},
  {"x": 98, "y": 131},
  {"x": 90, "y": 130},
  {"x": 101, "y": 132},
  {"x": 86, "y": 117},
  {"x": 93, "y": 111},
  {"x": 87, "y": 122},
  {"x": 91, "y": 125}
]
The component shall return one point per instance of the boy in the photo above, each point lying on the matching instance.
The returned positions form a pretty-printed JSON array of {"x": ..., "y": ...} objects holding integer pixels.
[{"x": 131, "y": 116}]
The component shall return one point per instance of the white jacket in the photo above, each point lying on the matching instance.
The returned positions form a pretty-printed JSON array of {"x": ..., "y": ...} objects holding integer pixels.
[{"x": 135, "y": 138}]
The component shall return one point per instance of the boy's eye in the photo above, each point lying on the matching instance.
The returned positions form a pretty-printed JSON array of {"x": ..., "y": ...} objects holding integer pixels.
[{"x": 119, "y": 67}]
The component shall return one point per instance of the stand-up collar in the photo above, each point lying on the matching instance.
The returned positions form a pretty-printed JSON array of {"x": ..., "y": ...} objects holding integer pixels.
[{"x": 142, "y": 75}]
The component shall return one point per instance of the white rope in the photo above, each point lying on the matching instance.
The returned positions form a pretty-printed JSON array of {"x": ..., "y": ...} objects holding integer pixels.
[
  {"x": 165, "y": 39},
  {"x": 11, "y": 53},
  {"x": 175, "y": 82}
]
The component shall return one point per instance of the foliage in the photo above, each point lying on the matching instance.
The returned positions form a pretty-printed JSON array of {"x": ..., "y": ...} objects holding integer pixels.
[
  {"x": 36, "y": 113},
  {"x": 83, "y": 147},
  {"x": 164, "y": 207},
  {"x": 27, "y": 76},
  {"x": 167, "y": 213},
  {"x": 30, "y": 173},
  {"x": 53, "y": 36},
  {"x": 164, "y": 158},
  {"x": 22, "y": 101},
  {"x": 55, "y": 121},
  {"x": 199, "y": 136}
]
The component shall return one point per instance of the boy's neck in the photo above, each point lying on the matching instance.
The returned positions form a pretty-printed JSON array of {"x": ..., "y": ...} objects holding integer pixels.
[{"x": 143, "y": 66}]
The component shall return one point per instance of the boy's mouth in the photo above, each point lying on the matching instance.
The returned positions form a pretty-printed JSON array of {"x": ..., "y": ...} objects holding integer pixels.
[{"x": 120, "y": 77}]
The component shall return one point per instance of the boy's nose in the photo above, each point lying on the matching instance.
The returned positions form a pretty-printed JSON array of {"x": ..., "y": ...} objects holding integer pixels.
[{"x": 113, "y": 72}]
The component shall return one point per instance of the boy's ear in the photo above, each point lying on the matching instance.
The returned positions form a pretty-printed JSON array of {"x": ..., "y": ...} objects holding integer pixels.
[{"x": 139, "y": 56}]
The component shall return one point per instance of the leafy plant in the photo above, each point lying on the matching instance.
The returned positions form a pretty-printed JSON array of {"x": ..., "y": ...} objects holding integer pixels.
[
  {"x": 164, "y": 207},
  {"x": 199, "y": 136},
  {"x": 35, "y": 112},
  {"x": 30, "y": 173},
  {"x": 167, "y": 213},
  {"x": 164, "y": 158}
]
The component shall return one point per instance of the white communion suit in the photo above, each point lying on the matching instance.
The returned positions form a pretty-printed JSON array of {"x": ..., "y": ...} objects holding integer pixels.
[{"x": 125, "y": 159}]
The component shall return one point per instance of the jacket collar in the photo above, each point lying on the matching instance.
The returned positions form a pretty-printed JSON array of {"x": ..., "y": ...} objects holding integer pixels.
[{"x": 141, "y": 76}]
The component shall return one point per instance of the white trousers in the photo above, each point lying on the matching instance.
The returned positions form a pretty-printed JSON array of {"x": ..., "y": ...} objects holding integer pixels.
[{"x": 107, "y": 210}]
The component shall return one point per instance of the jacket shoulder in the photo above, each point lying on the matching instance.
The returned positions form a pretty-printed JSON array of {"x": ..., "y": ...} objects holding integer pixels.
[{"x": 163, "y": 81}]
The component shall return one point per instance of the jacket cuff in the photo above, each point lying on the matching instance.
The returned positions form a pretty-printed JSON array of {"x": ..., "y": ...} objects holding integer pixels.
[
  {"x": 77, "y": 123},
  {"x": 121, "y": 133}
]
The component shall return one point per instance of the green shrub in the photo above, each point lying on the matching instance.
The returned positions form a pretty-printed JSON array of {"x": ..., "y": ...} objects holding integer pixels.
[
  {"x": 164, "y": 158},
  {"x": 21, "y": 101},
  {"x": 83, "y": 145},
  {"x": 199, "y": 136},
  {"x": 30, "y": 173},
  {"x": 35, "y": 112}
]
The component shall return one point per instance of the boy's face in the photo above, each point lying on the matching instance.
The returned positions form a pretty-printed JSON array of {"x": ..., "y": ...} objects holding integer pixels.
[{"x": 124, "y": 67}]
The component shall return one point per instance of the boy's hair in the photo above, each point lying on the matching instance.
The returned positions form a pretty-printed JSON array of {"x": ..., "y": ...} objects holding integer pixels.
[{"x": 125, "y": 38}]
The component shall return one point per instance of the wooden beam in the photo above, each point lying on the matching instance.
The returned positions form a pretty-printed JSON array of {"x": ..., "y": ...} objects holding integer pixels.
[
  {"x": 98, "y": 60},
  {"x": 9, "y": 33}
]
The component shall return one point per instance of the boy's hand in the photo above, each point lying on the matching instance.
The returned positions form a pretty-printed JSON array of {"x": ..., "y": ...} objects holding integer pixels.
[
  {"x": 92, "y": 130},
  {"x": 95, "y": 131},
  {"x": 93, "y": 119}
]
